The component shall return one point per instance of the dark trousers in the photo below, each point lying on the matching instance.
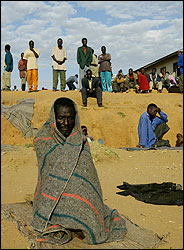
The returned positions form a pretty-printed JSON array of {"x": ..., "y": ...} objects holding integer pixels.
[
  {"x": 97, "y": 93},
  {"x": 160, "y": 130},
  {"x": 70, "y": 85}
]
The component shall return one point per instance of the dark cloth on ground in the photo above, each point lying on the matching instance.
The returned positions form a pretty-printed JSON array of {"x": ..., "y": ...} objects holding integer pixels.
[
  {"x": 166, "y": 193},
  {"x": 68, "y": 194},
  {"x": 20, "y": 115}
]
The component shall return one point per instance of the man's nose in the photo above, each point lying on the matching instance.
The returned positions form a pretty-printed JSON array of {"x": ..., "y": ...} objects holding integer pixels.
[{"x": 66, "y": 121}]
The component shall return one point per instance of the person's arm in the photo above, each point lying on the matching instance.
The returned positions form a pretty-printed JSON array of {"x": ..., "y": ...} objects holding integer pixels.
[
  {"x": 161, "y": 119},
  {"x": 180, "y": 61},
  {"x": 35, "y": 53},
  {"x": 78, "y": 56}
]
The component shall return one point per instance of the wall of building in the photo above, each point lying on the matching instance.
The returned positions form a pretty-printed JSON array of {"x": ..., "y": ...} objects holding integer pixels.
[{"x": 168, "y": 63}]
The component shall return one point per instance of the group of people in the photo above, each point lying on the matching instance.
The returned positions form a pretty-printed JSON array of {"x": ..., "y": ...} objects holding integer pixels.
[{"x": 145, "y": 83}]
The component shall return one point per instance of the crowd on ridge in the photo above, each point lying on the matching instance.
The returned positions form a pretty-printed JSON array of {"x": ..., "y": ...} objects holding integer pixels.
[{"x": 100, "y": 67}]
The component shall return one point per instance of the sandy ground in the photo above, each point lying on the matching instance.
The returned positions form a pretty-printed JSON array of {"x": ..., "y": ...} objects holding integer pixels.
[{"x": 116, "y": 123}]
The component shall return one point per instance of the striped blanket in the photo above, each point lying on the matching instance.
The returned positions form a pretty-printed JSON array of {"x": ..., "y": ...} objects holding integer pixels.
[{"x": 68, "y": 195}]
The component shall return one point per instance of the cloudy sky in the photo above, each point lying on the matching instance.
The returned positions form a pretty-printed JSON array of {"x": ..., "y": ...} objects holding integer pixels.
[{"x": 135, "y": 33}]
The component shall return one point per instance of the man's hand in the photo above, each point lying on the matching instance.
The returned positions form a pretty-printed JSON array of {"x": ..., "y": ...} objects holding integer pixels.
[
  {"x": 158, "y": 110},
  {"x": 60, "y": 62}
]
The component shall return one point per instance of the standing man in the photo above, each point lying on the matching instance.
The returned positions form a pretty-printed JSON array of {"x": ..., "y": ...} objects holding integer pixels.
[
  {"x": 84, "y": 59},
  {"x": 31, "y": 55},
  {"x": 154, "y": 81},
  {"x": 105, "y": 69},
  {"x": 70, "y": 82},
  {"x": 8, "y": 68},
  {"x": 180, "y": 66},
  {"x": 151, "y": 128},
  {"x": 91, "y": 88},
  {"x": 94, "y": 65},
  {"x": 58, "y": 65},
  {"x": 22, "y": 72}
]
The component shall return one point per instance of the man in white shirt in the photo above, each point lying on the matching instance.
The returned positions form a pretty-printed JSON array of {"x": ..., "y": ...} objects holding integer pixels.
[
  {"x": 58, "y": 65},
  {"x": 31, "y": 55}
]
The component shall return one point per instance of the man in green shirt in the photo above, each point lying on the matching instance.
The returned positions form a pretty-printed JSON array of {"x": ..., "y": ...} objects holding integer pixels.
[{"x": 84, "y": 59}]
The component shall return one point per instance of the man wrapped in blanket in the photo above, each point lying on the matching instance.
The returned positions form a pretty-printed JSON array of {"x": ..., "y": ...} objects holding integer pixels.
[{"x": 68, "y": 196}]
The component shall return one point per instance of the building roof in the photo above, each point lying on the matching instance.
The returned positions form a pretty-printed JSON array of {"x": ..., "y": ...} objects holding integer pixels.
[{"x": 161, "y": 59}]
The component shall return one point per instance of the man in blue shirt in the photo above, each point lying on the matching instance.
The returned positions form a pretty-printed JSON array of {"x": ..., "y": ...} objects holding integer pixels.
[
  {"x": 180, "y": 66},
  {"x": 8, "y": 68},
  {"x": 151, "y": 128},
  {"x": 70, "y": 82}
]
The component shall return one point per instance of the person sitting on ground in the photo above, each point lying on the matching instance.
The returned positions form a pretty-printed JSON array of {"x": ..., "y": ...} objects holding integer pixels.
[
  {"x": 91, "y": 88},
  {"x": 131, "y": 80},
  {"x": 142, "y": 81},
  {"x": 85, "y": 132},
  {"x": 154, "y": 81},
  {"x": 70, "y": 82},
  {"x": 68, "y": 196},
  {"x": 164, "y": 77},
  {"x": 179, "y": 142},
  {"x": 118, "y": 84},
  {"x": 151, "y": 128}
]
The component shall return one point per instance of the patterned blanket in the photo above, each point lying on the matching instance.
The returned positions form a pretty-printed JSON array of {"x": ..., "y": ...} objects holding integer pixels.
[{"x": 68, "y": 195}]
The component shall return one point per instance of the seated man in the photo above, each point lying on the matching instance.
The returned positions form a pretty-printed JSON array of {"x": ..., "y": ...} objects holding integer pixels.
[
  {"x": 131, "y": 80},
  {"x": 142, "y": 81},
  {"x": 68, "y": 197},
  {"x": 85, "y": 132},
  {"x": 71, "y": 80},
  {"x": 154, "y": 81},
  {"x": 118, "y": 84},
  {"x": 151, "y": 128},
  {"x": 164, "y": 77},
  {"x": 91, "y": 88}
]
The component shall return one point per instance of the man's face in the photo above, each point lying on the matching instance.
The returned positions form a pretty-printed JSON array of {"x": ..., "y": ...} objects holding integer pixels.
[
  {"x": 60, "y": 43},
  {"x": 142, "y": 70},
  {"x": 152, "y": 112},
  {"x": 103, "y": 49},
  {"x": 130, "y": 72},
  {"x": 153, "y": 71},
  {"x": 31, "y": 44},
  {"x": 84, "y": 42},
  {"x": 22, "y": 55},
  {"x": 89, "y": 75},
  {"x": 65, "y": 119}
]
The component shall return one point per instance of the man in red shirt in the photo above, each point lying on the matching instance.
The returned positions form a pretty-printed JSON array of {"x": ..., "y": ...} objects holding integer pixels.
[
  {"x": 22, "y": 72},
  {"x": 143, "y": 81}
]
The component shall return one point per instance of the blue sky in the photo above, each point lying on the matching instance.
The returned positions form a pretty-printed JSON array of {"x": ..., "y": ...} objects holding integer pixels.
[{"x": 135, "y": 33}]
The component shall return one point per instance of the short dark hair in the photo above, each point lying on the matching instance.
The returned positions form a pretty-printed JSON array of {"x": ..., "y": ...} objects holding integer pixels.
[
  {"x": 151, "y": 105},
  {"x": 59, "y": 39},
  {"x": 84, "y": 39},
  {"x": 154, "y": 69},
  {"x": 76, "y": 75},
  {"x": 88, "y": 71},
  {"x": 7, "y": 46},
  {"x": 63, "y": 101},
  {"x": 31, "y": 41}
]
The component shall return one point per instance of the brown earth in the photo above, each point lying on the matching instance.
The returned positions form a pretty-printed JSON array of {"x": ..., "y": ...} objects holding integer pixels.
[{"x": 116, "y": 123}]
